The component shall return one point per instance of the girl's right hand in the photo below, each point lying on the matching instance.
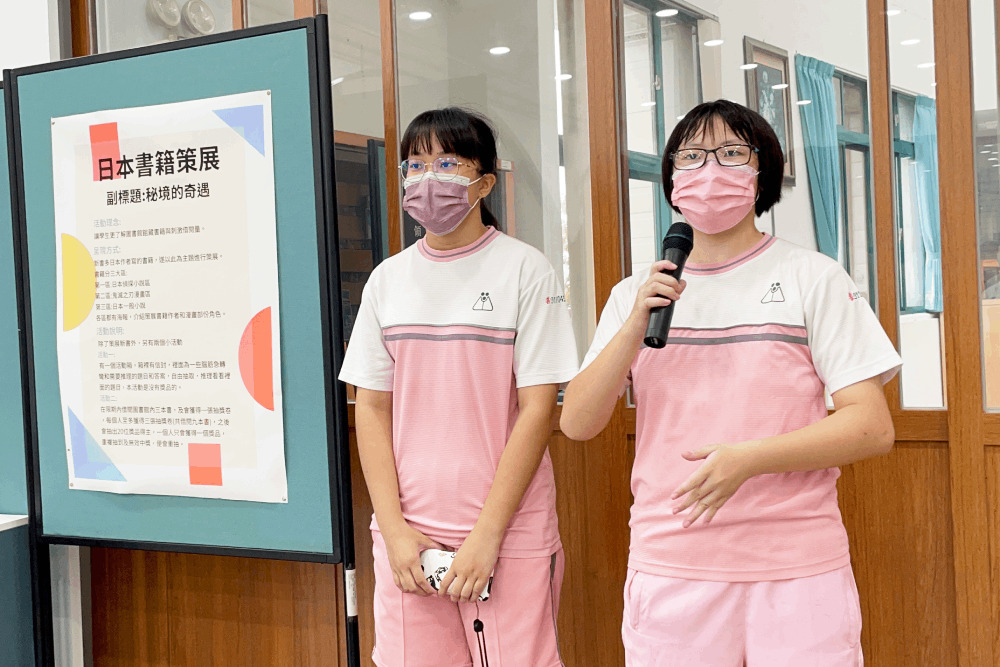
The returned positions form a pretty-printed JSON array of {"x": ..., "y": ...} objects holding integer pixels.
[
  {"x": 658, "y": 291},
  {"x": 403, "y": 546}
]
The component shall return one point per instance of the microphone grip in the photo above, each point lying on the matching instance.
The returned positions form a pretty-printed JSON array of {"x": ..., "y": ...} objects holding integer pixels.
[{"x": 659, "y": 318}]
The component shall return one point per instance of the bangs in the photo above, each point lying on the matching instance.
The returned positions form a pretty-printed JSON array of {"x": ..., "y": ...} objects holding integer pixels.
[
  {"x": 453, "y": 129},
  {"x": 750, "y": 127},
  {"x": 701, "y": 121}
]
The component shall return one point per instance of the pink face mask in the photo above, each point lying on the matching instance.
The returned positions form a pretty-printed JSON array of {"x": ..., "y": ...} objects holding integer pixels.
[
  {"x": 714, "y": 198},
  {"x": 438, "y": 203}
]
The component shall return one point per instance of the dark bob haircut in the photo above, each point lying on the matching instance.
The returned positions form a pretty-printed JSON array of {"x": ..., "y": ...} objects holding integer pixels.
[
  {"x": 749, "y": 126},
  {"x": 462, "y": 133}
]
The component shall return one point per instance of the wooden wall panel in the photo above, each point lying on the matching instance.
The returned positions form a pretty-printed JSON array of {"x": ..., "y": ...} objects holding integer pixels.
[
  {"x": 182, "y": 610},
  {"x": 390, "y": 103},
  {"x": 593, "y": 500},
  {"x": 993, "y": 502},
  {"x": 608, "y": 160},
  {"x": 882, "y": 182},
  {"x": 238, "y": 611},
  {"x": 304, "y": 8},
  {"x": 970, "y": 517},
  {"x": 237, "y": 14},
  {"x": 80, "y": 27},
  {"x": 898, "y": 516},
  {"x": 129, "y": 608}
]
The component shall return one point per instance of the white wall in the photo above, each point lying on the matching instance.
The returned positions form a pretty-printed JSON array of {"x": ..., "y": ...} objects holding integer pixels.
[
  {"x": 914, "y": 22},
  {"x": 356, "y": 57},
  {"x": 29, "y": 32},
  {"x": 919, "y": 345},
  {"x": 984, "y": 55},
  {"x": 125, "y": 24}
]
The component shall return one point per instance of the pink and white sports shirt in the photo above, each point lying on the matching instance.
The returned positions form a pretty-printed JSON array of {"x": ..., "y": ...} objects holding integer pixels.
[
  {"x": 753, "y": 343},
  {"x": 453, "y": 335}
]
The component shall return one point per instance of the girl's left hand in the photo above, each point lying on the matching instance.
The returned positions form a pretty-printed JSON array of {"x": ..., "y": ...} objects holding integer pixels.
[
  {"x": 472, "y": 568},
  {"x": 726, "y": 468}
]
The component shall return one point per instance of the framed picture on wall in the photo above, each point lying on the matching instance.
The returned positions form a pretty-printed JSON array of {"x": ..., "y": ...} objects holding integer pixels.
[{"x": 768, "y": 93}]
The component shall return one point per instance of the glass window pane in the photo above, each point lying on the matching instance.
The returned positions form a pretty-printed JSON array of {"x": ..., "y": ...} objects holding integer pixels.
[
  {"x": 359, "y": 147},
  {"x": 679, "y": 66},
  {"x": 859, "y": 247},
  {"x": 987, "y": 160},
  {"x": 640, "y": 95},
  {"x": 911, "y": 76},
  {"x": 855, "y": 112},
  {"x": 920, "y": 332},
  {"x": 642, "y": 224},
  {"x": 838, "y": 99},
  {"x": 671, "y": 74},
  {"x": 126, "y": 24},
  {"x": 904, "y": 117},
  {"x": 264, "y": 12},
  {"x": 522, "y": 64},
  {"x": 912, "y": 246}
]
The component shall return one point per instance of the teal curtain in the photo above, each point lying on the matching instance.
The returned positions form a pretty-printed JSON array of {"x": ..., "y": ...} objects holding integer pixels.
[
  {"x": 819, "y": 132},
  {"x": 926, "y": 189}
]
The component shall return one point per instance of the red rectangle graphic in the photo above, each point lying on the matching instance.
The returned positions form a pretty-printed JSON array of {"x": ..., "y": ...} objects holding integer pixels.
[{"x": 205, "y": 463}]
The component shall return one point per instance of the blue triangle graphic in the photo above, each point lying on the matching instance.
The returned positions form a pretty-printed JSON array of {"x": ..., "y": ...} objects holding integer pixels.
[
  {"x": 89, "y": 460},
  {"x": 248, "y": 122}
]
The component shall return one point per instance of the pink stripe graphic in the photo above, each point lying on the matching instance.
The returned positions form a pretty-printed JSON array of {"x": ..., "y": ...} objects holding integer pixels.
[
  {"x": 448, "y": 330},
  {"x": 740, "y": 330}
]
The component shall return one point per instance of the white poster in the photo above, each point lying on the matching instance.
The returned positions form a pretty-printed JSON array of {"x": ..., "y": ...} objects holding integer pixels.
[{"x": 167, "y": 299}]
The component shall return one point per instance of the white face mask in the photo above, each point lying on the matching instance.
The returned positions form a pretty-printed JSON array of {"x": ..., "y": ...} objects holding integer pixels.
[{"x": 444, "y": 178}]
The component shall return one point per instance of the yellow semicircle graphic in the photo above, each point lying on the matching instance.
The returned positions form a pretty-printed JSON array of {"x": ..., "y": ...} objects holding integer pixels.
[{"x": 79, "y": 282}]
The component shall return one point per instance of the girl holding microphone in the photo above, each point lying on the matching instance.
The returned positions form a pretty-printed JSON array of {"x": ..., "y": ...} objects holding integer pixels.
[{"x": 738, "y": 552}]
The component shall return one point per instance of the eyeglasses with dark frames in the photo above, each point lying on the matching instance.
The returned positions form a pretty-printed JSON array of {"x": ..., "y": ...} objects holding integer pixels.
[{"x": 730, "y": 155}]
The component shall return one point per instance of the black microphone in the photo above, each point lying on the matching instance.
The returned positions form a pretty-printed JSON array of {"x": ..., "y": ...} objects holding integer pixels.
[{"x": 677, "y": 246}]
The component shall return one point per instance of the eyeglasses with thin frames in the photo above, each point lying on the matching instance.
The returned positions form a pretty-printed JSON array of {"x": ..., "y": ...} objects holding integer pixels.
[
  {"x": 446, "y": 167},
  {"x": 730, "y": 155}
]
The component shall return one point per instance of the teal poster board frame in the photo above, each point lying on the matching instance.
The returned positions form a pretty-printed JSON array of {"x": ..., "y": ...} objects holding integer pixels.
[
  {"x": 291, "y": 60},
  {"x": 18, "y": 581},
  {"x": 13, "y": 489}
]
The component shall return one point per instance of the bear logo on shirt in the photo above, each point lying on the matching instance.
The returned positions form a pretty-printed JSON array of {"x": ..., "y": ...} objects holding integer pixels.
[
  {"x": 774, "y": 294},
  {"x": 483, "y": 302}
]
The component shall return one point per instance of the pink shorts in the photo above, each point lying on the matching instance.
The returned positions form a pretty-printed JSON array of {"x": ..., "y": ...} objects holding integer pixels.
[
  {"x": 814, "y": 621},
  {"x": 519, "y": 619}
]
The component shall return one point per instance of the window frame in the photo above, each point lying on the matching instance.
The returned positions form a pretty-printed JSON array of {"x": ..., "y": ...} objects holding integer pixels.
[
  {"x": 860, "y": 142},
  {"x": 644, "y": 166},
  {"x": 901, "y": 149}
]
